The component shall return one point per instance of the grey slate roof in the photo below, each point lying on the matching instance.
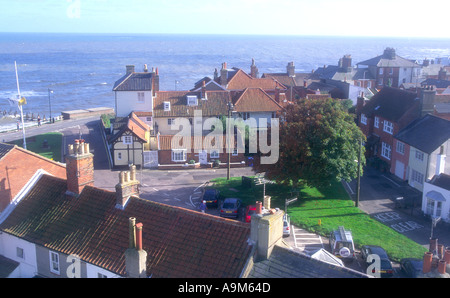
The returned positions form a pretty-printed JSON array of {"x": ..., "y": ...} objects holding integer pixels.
[
  {"x": 287, "y": 263},
  {"x": 426, "y": 133},
  {"x": 136, "y": 81},
  {"x": 385, "y": 61},
  {"x": 7, "y": 266},
  {"x": 4, "y": 149}
]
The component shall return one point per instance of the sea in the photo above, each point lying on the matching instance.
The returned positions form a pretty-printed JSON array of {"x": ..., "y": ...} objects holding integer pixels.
[{"x": 59, "y": 71}]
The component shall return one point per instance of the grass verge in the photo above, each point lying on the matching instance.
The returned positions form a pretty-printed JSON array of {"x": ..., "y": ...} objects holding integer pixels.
[
  {"x": 36, "y": 144},
  {"x": 333, "y": 207}
]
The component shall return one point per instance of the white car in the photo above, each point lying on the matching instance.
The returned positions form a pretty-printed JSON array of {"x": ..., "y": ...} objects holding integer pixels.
[{"x": 286, "y": 225}]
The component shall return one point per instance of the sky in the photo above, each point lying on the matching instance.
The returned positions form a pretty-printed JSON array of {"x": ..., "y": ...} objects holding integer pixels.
[{"x": 396, "y": 18}]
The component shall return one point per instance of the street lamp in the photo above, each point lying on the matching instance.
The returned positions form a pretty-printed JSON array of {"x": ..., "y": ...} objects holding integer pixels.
[
  {"x": 50, "y": 103},
  {"x": 230, "y": 109},
  {"x": 358, "y": 184}
]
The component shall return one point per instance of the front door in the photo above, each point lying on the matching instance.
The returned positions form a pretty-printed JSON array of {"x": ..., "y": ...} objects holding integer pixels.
[{"x": 203, "y": 157}]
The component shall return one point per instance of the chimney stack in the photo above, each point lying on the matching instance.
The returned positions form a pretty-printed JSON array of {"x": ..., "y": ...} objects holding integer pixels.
[
  {"x": 130, "y": 69},
  {"x": 427, "y": 99},
  {"x": 253, "y": 70},
  {"x": 204, "y": 96},
  {"x": 290, "y": 69},
  {"x": 127, "y": 187},
  {"x": 155, "y": 81},
  {"x": 135, "y": 256},
  {"x": 79, "y": 167},
  {"x": 145, "y": 68},
  {"x": 266, "y": 231},
  {"x": 224, "y": 74}
]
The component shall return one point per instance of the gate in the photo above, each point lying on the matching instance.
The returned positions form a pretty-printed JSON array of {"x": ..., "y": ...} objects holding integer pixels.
[{"x": 151, "y": 159}]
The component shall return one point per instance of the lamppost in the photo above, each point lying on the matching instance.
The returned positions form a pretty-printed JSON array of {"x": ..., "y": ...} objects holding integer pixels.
[
  {"x": 229, "y": 135},
  {"x": 358, "y": 184},
  {"x": 50, "y": 103}
]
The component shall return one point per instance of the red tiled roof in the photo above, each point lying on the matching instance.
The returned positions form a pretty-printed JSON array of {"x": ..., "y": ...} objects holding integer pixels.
[
  {"x": 17, "y": 167},
  {"x": 255, "y": 100},
  {"x": 135, "y": 125},
  {"x": 179, "y": 242},
  {"x": 242, "y": 80}
]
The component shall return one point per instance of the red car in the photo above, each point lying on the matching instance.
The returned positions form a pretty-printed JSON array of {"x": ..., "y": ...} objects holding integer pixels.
[{"x": 248, "y": 212}]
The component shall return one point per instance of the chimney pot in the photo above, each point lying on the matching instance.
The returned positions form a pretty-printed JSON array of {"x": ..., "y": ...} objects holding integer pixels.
[
  {"x": 132, "y": 232},
  {"x": 427, "y": 258},
  {"x": 442, "y": 266},
  {"x": 133, "y": 172},
  {"x": 258, "y": 207},
  {"x": 139, "y": 236}
]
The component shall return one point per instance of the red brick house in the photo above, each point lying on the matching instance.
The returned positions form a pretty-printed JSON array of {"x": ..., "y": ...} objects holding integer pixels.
[{"x": 383, "y": 116}]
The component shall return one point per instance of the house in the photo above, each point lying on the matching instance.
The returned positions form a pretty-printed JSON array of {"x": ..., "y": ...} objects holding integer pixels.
[
  {"x": 135, "y": 90},
  {"x": 391, "y": 70},
  {"x": 291, "y": 78},
  {"x": 194, "y": 106},
  {"x": 62, "y": 228},
  {"x": 436, "y": 197},
  {"x": 383, "y": 116},
  {"x": 18, "y": 167},
  {"x": 421, "y": 149},
  {"x": 130, "y": 138},
  {"x": 175, "y": 151}
]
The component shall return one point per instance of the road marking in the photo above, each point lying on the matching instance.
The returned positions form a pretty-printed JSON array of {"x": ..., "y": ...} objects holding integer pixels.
[
  {"x": 305, "y": 240},
  {"x": 402, "y": 227},
  {"x": 387, "y": 216}
]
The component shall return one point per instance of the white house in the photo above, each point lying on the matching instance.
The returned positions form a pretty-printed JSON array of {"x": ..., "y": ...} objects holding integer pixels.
[
  {"x": 436, "y": 197},
  {"x": 135, "y": 90}
]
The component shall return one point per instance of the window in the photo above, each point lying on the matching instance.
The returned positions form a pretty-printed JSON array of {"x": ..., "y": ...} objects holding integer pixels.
[
  {"x": 245, "y": 115},
  {"x": 166, "y": 106},
  {"x": 417, "y": 177},
  {"x": 214, "y": 154},
  {"x": 419, "y": 155},
  {"x": 400, "y": 148},
  {"x": 178, "y": 155},
  {"x": 380, "y": 71},
  {"x": 119, "y": 156},
  {"x": 391, "y": 71},
  {"x": 386, "y": 151},
  {"x": 235, "y": 152},
  {"x": 149, "y": 119},
  {"x": 363, "y": 119},
  {"x": 388, "y": 127},
  {"x": 380, "y": 81},
  {"x": 376, "y": 122},
  {"x": 141, "y": 96},
  {"x": 369, "y": 84},
  {"x": 191, "y": 100},
  {"x": 54, "y": 262},
  {"x": 128, "y": 140},
  {"x": 19, "y": 253},
  {"x": 170, "y": 121}
]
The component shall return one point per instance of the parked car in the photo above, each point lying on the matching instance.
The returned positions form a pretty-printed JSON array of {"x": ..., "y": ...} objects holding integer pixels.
[
  {"x": 211, "y": 197},
  {"x": 411, "y": 267},
  {"x": 286, "y": 225},
  {"x": 230, "y": 207},
  {"x": 249, "y": 211},
  {"x": 342, "y": 246},
  {"x": 386, "y": 269}
]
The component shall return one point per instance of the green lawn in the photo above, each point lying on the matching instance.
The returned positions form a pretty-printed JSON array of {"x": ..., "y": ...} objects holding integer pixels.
[
  {"x": 333, "y": 207},
  {"x": 35, "y": 144}
]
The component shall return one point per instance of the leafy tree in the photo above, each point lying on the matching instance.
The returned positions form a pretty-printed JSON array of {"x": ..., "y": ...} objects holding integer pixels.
[{"x": 318, "y": 142}]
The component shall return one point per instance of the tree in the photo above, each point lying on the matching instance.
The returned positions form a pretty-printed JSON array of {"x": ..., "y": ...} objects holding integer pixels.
[{"x": 318, "y": 142}]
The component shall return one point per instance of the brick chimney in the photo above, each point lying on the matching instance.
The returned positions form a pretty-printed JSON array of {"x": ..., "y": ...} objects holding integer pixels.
[
  {"x": 130, "y": 69},
  {"x": 290, "y": 69},
  {"x": 135, "y": 256},
  {"x": 442, "y": 74},
  {"x": 266, "y": 230},
  {"x": 128, "y": 186},
  {"x": 224, "y": 74},
  {"x": 155, "y": 81},
  {"x": 79, "y": 167},
  {"x": 253, "y": 70}
]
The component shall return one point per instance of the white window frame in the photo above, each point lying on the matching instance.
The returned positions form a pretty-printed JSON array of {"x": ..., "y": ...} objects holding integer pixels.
[
  {"x": 192, "y": 100},
  {"x": 141, "y": 97},
  {"x": 400, "y": 147},
  {"x": 54, "y": 262},
  {"x": 386, "y": 150},
  {"x": 178, "y": 155},
  {"x": 127, "y": 140},
  {"x": 388, "y": 127},
  {"x": 417, "y": 177},
  {"x": 170, "y": 121},
  {"x": 166, "y": 105},
  {"x": 376, "y": 122},
  {"x": 215, "y": 155},
  {"x": 419, "y": 155},
  {"x": 363, "y": 119}
]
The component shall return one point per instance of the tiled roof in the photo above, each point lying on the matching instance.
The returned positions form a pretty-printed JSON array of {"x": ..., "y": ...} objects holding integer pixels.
[
  {"x": 16, "y": 169},
  {"x": 241, "y": 80},
  {"x": 179, "y": 242},
  {"x": 254, "y": 100},
  {"x": 136, "y": 81},
  {"x": 384, "y": 61},
  {"x": 426, "y": 133},
  {"x": 288, "y": 81},
  {"x": 214, "y": 105},
  {"x": 133, "y": 124},
  {"x": 390, "y": 103},
  {"x": 286, "y": 263}
]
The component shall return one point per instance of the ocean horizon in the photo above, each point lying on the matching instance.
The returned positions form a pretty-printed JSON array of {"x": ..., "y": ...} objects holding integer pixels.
[{"x": 81, "y": 68}]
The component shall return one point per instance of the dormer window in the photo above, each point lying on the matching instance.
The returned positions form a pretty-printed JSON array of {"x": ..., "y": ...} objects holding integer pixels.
[
  {"x": 191, "y": 100},
  {"x": 166, "y": 106}
]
